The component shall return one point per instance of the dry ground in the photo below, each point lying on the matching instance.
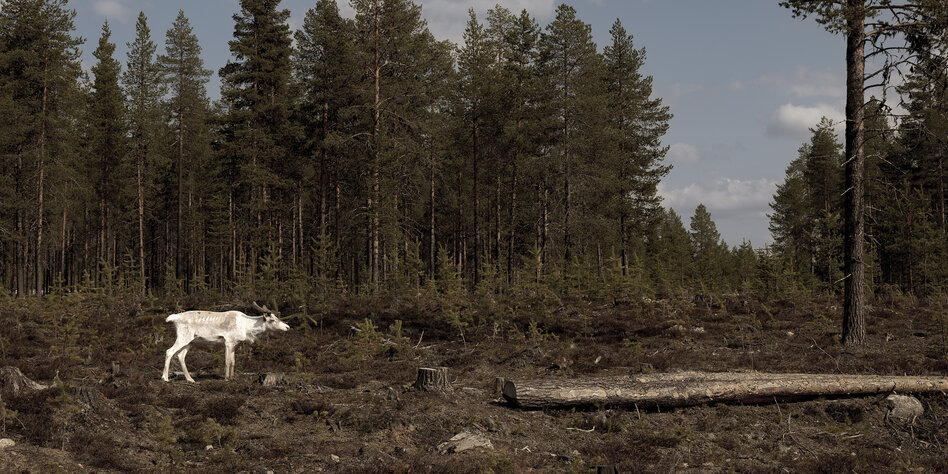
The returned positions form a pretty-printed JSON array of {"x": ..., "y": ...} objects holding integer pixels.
[{"x": 346, "y": 404}]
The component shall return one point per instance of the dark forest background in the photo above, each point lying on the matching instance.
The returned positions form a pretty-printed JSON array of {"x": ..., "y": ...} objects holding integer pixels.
[{"x": 366, "y": 156}]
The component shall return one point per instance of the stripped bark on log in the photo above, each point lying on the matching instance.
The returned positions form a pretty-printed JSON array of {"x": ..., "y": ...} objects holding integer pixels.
[{"x": 696, "y": 388}]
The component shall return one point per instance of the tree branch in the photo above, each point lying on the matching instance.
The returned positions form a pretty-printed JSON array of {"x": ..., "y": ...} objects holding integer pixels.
[{"x": 897, "y": 26}]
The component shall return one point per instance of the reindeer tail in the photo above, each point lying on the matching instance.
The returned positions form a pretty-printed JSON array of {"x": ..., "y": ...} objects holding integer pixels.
[{"x": 172, "y": 318}]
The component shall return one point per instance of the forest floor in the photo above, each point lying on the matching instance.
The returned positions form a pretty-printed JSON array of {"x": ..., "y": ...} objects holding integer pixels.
[{"x": 346, "y": 402}]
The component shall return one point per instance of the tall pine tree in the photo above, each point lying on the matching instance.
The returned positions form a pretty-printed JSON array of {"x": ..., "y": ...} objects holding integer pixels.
[
  {"x": 143, "y": 91},
  {"x": 184, "y": 76},
  {"x": 638, "y": 121},
  {"x": 108, "y": 145},
  {"x": 39, "y": 67},
  {"x": 256, "y": 89}
]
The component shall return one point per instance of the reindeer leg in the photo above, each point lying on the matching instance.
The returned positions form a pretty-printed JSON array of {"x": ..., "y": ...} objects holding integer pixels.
[
  {"x": 169, "y": 354},
  {"x": 181, "y": 355},
  {"x": 228, "y": 360}
]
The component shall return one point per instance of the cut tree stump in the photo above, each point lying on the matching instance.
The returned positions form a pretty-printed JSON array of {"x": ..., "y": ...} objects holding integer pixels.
[
  {"x": 696, "y": 388},
  {"x": 433, "y": 379}
]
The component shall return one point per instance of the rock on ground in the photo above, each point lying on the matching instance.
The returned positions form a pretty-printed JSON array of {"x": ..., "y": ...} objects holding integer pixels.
[
  {"x": 903, "y": 407},
  {"x": 463, "y": 441}
]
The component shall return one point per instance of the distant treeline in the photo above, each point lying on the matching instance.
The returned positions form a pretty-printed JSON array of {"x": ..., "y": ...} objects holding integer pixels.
[{"x": 365, "y": 155}]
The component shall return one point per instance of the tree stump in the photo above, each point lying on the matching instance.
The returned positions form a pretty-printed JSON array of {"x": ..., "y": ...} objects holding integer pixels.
[
  {"x": 13, "y": 382},
  {"x": 499, "y": 386},
  {"x": 433, "y": 379}
]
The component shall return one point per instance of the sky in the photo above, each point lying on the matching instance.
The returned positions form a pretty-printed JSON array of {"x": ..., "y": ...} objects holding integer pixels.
[{"x": 743, "y": 78}]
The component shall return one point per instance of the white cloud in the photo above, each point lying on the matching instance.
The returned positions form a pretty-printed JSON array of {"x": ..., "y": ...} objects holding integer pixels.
[
  {"x": 739, "y": 208},
  {"x": 447, "y": 18},
  {"x": 683, "y": 154},
  {"x": 794, "y": 121},
  {"x": 724, "y": 197},
  {"x": 808, "y": 83},
  {"x": 113, "y": 10}
]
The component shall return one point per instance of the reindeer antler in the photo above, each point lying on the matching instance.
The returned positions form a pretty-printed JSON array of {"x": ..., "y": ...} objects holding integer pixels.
[{"x": 262, "y": 309}]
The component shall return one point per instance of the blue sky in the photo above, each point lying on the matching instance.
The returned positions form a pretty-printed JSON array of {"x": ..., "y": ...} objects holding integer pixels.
[{"x": 743, "y": 78}]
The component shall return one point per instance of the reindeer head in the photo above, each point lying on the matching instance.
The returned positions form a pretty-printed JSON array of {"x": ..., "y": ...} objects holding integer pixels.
[{"x": 271, "y": 320}]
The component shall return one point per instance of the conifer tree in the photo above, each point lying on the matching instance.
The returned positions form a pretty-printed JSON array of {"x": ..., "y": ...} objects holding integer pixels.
[
  {"x": 638, "y": 122},
  {"x": 327, "y": 73},
  {"x": 184, "y": 76},
  {"x": 143, "y": 91},
  {"x": 708, "y": 250},
  {"x": 521, "y": 86},
  {"x": 792, "y": 218},
  {"x": 671, "y": 249},
  {"x": 475, "y": 73},
  {"x": 256, "y": 87},
  {"x": 393, "y": 46},
  {"x": 573, "y": 70},
  {"x": 39, "y": 67},
  {"x": 108, "y": 144}
]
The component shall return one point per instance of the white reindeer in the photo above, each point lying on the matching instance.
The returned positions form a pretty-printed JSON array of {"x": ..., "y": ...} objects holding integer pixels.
[{"x": 231, "y": 327}]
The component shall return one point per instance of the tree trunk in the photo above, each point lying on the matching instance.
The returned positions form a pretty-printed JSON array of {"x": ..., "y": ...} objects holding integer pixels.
[
  {"x": 497, "y": 236},
  {"x": 433, "y": 379},
  {"x": 141, "y": 221},
  {"x": 63, "y": 269},
  {"x": 376, "y": 117},
  {"x": 323, "y": 174},
  {"x": 431, "y": 182},
  {"x": 512, "y": 226},
  {"x": 476, "y": 212},
  {"x": 21, "y": 246},
  {"x": 854, "y": 298},
  {"x": 696, "y": 388},
  {"x": 39, "y": 184},
  {"x": 625, "y": 245},
  {"x": 941, "y": 189},
  {"x": 338, "y": 203}
]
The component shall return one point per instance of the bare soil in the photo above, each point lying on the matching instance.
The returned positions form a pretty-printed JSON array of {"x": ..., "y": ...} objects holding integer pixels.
[{"x": 345, "y": 402}]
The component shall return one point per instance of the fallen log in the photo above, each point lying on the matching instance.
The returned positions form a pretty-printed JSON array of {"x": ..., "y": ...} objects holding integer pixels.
[{"x": 696, "y": 388}]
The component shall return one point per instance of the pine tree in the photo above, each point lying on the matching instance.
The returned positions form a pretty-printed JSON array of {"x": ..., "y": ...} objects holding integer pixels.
[
  {"x": 822, "y": 166},
  {"x": 573, "y": 70},
  {"x": 183, "y": 74},
  {"x": 108, "y": 144},
  {"x": 671, "y": 250},
  {"x": 822, "y": 173},
  {"x": 394, "y": 47},
  {"x": 638, "y": 122},
  {"x": 521, "y": 85},
  {"x": 708, "y": 250},
  {"x": 39, "y": 66},
  {"x": 476, "y": 81},
  {"x": 743, "y": 269},
  {"x": 256, "y": 87},
  {"x": 792, "y": 218},
  {"x": 327, "y": 72},
  {"x": 143, "y": 90}
]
